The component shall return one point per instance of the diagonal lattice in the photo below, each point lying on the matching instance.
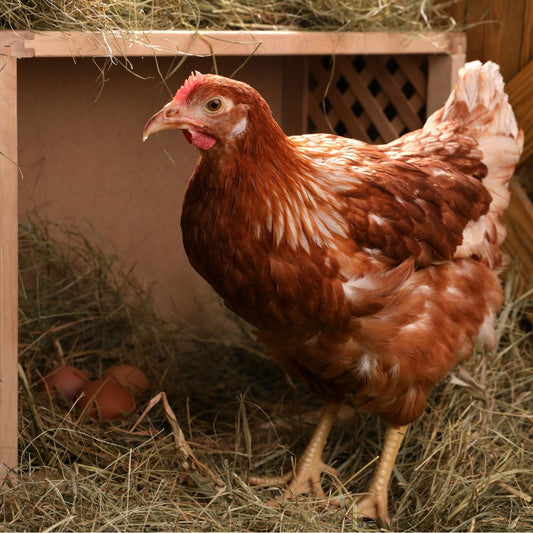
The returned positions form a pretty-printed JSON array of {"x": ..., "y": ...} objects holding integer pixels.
[{"x": 372, "y": 98}]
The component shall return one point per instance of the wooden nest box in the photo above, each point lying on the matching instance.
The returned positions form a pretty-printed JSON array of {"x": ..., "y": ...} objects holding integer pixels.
[{"x": 82, "y": 158}]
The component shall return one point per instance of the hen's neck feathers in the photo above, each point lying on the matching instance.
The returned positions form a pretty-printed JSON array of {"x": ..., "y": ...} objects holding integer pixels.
[
  {"x": 261, "y": 148},
  {"x": 268, "y": 186},
  {"x": 262, "y": 162}
]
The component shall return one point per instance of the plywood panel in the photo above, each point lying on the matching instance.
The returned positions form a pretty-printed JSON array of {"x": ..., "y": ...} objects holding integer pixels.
[
  {"x": 442, "y": 76},
  {"x": 84, "y": 163}
]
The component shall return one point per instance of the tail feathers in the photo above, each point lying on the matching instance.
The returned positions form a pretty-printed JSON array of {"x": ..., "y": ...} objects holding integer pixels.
[
  {"x": 479, "y": 105},
  {"x": 491, "y": 120},
  {"x": 479, "y": 101}
]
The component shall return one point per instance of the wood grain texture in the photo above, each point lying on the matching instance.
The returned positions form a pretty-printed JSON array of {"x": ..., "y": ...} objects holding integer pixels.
[
  {"x": 526, "y": 51},
  {"x": 520, "y": 90},
  {"x": 229, "y": 43},
  {"x": 497, "y": 30},
  {"x": 8, "y": 263},
  {"x": 518, "y": 245}
]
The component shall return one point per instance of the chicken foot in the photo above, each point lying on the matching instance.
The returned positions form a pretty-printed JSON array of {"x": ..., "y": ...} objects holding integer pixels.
[
  {"x": 374, "y": 503},
  {"x": 306, "y": 476}
]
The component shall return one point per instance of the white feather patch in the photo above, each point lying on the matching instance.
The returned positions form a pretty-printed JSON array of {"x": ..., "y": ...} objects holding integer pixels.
[
  {"x": 366, "y": 366},
  {"x": 239, "y": 128},
  {"x": 354, "y": 287},
  {"x": 486, "y": 336}
]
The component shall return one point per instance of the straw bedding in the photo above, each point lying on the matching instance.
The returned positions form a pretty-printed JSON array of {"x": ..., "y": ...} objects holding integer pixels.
[
  {"x": 129, "y": 15},
  {"x": 465, "y": 465}
]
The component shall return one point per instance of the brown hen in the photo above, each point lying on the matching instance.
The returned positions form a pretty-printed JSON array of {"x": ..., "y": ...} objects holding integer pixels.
[{"x": 368, "y": 271}]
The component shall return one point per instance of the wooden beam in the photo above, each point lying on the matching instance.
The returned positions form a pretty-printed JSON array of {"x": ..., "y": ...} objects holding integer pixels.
[
  {"x": 442, "y": 77},
  {"x": 228, "y": 43},
  {"x": 8, "y": 262}
]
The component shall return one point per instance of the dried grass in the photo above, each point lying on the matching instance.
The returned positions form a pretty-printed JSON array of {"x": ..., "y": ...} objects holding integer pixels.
[
  {"x": 324, "y": 15},
  {"x": 465, "y": 465}
]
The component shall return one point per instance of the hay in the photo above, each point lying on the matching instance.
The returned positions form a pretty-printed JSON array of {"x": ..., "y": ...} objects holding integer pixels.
[
  {"x": 323, "y": 15},
  {"x": 465, "y": 465}
]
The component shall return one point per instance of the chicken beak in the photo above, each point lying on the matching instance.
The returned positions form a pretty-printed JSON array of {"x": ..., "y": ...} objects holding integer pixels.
[{"x": 167, "y": 118}]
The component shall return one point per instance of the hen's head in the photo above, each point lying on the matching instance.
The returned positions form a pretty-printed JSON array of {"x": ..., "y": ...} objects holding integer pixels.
[{"x": 211, "y": 110}]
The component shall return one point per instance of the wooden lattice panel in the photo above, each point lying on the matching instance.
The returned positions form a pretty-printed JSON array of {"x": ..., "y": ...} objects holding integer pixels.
[{"x": 373, "y": 98}]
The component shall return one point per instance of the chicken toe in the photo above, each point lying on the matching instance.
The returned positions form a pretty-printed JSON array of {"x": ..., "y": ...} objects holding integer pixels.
[
  {"x": 374, "y": 506},
  {"x": 306, "y": 477},
  {"x": 274, "y": 481}
]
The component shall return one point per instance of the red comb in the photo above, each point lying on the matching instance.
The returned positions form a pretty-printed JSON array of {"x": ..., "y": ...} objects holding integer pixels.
[{"x": 190, "y": 84}]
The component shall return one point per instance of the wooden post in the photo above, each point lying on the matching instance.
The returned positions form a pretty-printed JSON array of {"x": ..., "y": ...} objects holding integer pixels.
[
  {"x": 442, "y": 77},
  {"x": 8, "y": 262}
]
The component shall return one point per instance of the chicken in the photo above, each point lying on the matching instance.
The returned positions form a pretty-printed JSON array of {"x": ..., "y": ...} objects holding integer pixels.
[{"x": 367, "y": 271}]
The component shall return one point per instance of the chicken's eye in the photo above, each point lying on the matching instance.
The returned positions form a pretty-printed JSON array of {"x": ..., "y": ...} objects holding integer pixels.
[{"x": 213, "y": 105}]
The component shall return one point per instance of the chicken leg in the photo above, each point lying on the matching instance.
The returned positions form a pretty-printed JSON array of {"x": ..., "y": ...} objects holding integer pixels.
[
  {"x": 373, "y": 504},
  {"x": 306, "y": 477}
]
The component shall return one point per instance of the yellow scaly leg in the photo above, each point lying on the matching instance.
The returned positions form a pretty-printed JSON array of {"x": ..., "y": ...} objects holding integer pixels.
[{"x": 373, "y": 504}]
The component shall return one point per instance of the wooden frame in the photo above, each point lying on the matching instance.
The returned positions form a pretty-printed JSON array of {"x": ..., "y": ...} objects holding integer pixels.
[
  {"x": 8, "y": 261},
  {"x": 447, "y": 53}
]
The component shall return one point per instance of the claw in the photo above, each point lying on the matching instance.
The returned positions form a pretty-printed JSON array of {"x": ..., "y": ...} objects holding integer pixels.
[
  {"x": 306, "y": 477},
  {"x": 374, "y": 507}
]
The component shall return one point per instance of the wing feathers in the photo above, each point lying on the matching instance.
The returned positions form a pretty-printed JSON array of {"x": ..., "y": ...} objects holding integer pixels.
[{"x": 400, "y": 205}]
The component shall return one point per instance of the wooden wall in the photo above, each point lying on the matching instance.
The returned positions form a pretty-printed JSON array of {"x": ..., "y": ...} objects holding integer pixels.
[
  {"x": 84, "y": 163},
  {"x": 502, "y": 31},
  {"x": 499, "y": 30}
]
